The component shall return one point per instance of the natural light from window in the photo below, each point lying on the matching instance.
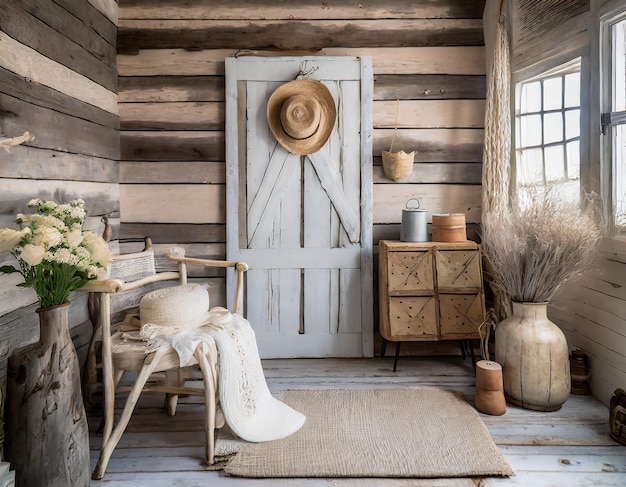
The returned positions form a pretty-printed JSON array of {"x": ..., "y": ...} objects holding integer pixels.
[{"x": 548, "y": 131}]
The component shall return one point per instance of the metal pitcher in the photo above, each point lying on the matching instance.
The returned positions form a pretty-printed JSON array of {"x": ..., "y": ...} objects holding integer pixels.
[{"x": 414, "y": 227}]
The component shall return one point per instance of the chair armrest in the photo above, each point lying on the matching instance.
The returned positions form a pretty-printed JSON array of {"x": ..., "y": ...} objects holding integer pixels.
[
  {"x": 242, "y": 266},
  {"x": 177, "y": 254},
  {"x": 110, "y": 286},
  {"x": 113, "y": 286}
]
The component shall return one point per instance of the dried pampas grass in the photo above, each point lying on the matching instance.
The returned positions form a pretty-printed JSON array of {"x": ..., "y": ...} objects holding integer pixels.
[{"x": 533, "y": 250}]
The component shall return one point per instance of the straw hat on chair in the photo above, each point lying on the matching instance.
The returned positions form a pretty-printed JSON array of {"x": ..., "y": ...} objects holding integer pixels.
[{"x": 301, "y": 115}]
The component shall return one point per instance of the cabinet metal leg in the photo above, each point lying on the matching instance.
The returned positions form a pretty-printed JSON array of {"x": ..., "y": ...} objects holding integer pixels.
[
  {"x": 471, "y": 350},
  {"x": 395, "y": 361},
  {"x": 468, "y": 349},
  {"x": 462, "y": 347}
]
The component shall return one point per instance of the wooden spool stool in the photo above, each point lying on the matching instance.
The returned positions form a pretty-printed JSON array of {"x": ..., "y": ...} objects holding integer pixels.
[{"x": 489, "y": 389}]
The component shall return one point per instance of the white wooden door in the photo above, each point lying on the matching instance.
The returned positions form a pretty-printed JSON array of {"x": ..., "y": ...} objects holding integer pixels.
[{"x": 302, "y": 223}]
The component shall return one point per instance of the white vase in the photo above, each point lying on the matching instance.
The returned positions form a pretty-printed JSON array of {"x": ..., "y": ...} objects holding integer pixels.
[{"x": 534, "y": 356}]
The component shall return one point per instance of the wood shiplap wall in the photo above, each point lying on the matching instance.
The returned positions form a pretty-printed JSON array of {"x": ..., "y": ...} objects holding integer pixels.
[
  {"x": 58, "y": 81},
  {"x": 428, "y": 55}
]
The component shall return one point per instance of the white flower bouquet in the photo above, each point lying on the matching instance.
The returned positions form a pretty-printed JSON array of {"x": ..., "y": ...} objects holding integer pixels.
[{"x": 55, "y": 255}]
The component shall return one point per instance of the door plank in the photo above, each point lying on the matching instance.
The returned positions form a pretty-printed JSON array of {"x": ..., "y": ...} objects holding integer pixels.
[
  {"x": 289, "y": 305},
  {"x": 257, "y": 144},
  {"x": 350, "y": 151},
  {"x": 367, "y": 212},
  {"x": 258, "y": 306},
  {"x": 328, "y": 179},
  {"x": 317, "y": 300},
  {"x": 284, "y": 68},
  {"x": 302, "y": 258},
  {"x": 318, "y": 292},
  {"x": 350, "y": 306},
  {"x": 280, "y": 170}
]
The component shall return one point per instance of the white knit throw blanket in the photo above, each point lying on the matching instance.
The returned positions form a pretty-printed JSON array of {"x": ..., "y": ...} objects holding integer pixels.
[{"x": 250, "y": 410}]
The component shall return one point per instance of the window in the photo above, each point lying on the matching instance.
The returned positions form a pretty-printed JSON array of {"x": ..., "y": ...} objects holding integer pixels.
[
  {"x": 548, "y": 130},
  {"x": 614, "y": 118}
]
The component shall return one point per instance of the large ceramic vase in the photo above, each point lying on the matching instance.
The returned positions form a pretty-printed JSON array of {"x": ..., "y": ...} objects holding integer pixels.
[
  {"x": 48, "y": 437},
  {"x": 534, "y": 356}
]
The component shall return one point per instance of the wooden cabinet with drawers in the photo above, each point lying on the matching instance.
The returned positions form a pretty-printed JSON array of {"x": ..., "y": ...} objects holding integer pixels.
[{"x": 430, "y": 290}]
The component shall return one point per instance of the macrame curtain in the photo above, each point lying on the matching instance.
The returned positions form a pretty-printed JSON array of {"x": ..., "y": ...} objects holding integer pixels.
[
  {"x": 497, "y": 145},
  {"x": 497, "y": 149}
]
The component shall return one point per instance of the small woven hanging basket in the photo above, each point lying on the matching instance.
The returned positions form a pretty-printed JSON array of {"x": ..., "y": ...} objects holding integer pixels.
[{"x": 397, "y": 165}]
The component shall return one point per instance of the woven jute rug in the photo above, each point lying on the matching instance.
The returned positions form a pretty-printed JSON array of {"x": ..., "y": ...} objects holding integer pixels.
[{"x": 411, "y": 433}]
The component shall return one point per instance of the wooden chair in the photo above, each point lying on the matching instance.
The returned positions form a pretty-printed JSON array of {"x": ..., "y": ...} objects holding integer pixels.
[
  {"x": 119, "y": 356},
  {"x": 127, "y": 268}
]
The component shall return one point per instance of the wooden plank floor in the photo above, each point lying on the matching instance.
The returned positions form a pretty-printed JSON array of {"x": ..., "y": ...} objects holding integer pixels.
[{"x": 569, "y": 447}]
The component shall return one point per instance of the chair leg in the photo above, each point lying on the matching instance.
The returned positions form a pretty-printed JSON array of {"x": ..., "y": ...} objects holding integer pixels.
[
  {"x": 106, "y": 425},
  {"x": 171, "y": 399},
  {"x": 90, "y": 378},
  {"x": 209, "y": 378},
  {"x": 109, "y": 445},
  {"x": 171, "y": 402}
]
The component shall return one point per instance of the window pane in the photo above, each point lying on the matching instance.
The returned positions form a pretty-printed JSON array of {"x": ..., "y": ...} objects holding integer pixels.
[
  {"x": 555, "y": 163},
  {"x": 572, "y": 124},
  {"x": 573, "y": 160},
  {"x": 572, "y": 90},
  {"x": 553, "y": 93},
  {"x": 531, "y": 130},
  {"x": 531, "y": 97},
  {"x": 530, "y": 167},
  {"x": 547, "y": 133},
  {"x": 552, "y": 127}
]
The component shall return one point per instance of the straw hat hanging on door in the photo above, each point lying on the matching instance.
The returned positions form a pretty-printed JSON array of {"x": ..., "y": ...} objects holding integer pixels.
[{"x": 301, "y": 115}]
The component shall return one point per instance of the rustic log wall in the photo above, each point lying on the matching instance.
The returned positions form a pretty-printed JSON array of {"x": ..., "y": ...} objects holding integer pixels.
[
  {"x": 58, "y": 81},
  {"x": 428, "y": 55}
]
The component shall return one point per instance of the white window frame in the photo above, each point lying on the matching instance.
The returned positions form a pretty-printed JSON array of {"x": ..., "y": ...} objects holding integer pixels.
[
  {"x": 564, "y": 67},
  {"x": 611, "y": 119}
]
